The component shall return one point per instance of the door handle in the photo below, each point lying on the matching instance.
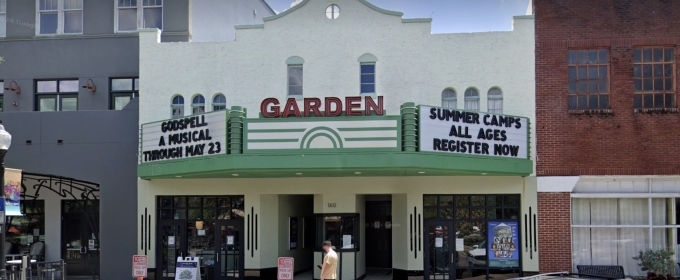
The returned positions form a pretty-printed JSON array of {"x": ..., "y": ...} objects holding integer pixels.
[{"x": 451, "y": 257}]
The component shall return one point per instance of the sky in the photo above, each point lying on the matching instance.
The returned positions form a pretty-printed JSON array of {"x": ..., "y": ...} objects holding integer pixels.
[{"x": 449, "y": 16}]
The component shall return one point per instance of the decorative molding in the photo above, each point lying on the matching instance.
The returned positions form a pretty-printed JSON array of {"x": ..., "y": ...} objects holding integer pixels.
[
  {"x": 416, "y": 20},
  {"x": 32, "y": 184}
]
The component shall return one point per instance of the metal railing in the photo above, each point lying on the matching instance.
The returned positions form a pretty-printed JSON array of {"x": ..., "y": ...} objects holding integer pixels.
[{"x": 55, "y": 270}]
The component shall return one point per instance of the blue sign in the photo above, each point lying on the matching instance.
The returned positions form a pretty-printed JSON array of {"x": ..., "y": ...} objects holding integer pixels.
[{"x": 504, "y": 244}]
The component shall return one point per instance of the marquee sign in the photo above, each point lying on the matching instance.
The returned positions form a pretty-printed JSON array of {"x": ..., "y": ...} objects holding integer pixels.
[
  {"x": 444, "y": 130},
  {"x": 330, "y": 107},
  {"x": 188, "y": 137},
  {"x": 323, "y": 133}
]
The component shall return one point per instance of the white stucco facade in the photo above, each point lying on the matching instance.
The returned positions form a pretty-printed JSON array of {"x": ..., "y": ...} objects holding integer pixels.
[{"x": 413, "y": 65}]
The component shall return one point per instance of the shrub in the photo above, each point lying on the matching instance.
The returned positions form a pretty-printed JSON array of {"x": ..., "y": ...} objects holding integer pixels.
[{"x": 659, "y": 262}]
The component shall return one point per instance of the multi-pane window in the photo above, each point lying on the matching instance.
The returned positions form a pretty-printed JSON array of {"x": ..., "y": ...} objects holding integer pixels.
[
  {"x": 135, "y": 14},
  {"x": 588, "y": 75},
  {"x": 122, "y": 91},
  {"x": 3, "y": 18},
  {"x": 197, "y": 208},
  {"x": 495, "y": 101},
  {"x": 368, "y": 78},
  {"x": 198, "y": 104},
  {"x": 653, "y": 76},
  {"x": 56, "y": 95},
  {"x": 295, "y": 80},
  {"x": 60, "y": 16},
  {"x": 449, "y": 98},
  {"x": 219, "y": 102},
  {"x": 177, "y": 106},
  {"x": 471, "y": 99}
]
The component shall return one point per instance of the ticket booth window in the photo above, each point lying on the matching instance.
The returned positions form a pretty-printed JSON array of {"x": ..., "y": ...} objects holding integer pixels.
[{"x": 342, "y": 230}]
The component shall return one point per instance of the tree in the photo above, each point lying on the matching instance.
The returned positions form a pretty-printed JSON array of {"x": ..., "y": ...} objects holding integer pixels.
[{"x": 1, "y": 59}]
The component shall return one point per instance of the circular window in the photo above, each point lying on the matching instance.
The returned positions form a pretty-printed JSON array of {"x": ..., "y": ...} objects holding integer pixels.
[{"x": 332, "y": 11}]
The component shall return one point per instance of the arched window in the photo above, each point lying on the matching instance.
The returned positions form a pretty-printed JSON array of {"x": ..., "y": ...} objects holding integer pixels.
[
  {"x": 198, "y": 104},
  {"x": 177, "y": 106},
  {"x": 367, "y": 63},
  {"x": 219, "y": 102},
  {"x": 295, "y": 75},
  {"x": 471, "y": 99},
  {"x": 449, "y": 99},
  {"x": 495, "y": 101}
]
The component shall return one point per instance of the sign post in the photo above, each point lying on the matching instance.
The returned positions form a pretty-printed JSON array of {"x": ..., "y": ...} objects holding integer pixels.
[
  {"x": 139, "y": 267},
  {"x": 286, "y": 269}
]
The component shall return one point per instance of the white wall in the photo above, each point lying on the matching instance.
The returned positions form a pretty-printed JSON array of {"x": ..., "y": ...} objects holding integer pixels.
[
  {"x": 413, "y": 64},
  {"x": 214, "y": 20}
]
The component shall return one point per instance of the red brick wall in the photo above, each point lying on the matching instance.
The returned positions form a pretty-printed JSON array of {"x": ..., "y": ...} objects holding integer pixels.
[
  {"x": 554, "y": 232},
  {"x": 625, "y": 143}
]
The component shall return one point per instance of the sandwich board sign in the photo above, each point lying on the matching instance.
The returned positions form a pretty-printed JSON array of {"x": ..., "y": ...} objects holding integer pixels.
[
  {"x": 187, "y": 269},
  {"x": 285, "y": 269},
  {"x": 139, "y": 266}
]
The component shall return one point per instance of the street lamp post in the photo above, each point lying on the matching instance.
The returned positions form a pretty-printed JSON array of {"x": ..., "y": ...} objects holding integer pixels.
[{"x": 5, "y": 141}]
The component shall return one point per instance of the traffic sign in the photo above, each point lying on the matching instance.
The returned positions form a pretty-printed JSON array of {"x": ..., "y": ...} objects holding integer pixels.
[
  {"x": 139, "y": 266},
  {"x": 286, "y": 269}
]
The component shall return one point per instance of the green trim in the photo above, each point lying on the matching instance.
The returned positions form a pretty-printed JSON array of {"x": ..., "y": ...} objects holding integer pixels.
[
  {"x": 309, "y": 142},
  {"x": 276, "y": 130},
  {"x": 295, "y": 60},
  {"x": 273, "y": 140},
  {"x": 416, "y": 20},
  {"x": 378, "y": 9},
  {"x": 337, "y": 141},
  {"x": 249, "y": 26},
  {"x": 290, "y": 10},
  {"x": 335, "y": 165},
  {"x": 366, "y": 128},
  {"x": 371, "y": 139},
  {"x": 367, "y": 58}
]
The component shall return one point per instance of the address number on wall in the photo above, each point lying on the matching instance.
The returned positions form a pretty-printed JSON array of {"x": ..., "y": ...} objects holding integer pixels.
[{"x": 331, "y": 205}]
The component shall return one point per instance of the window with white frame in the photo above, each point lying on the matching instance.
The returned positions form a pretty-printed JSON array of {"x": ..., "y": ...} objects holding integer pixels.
[
  {"x": 198, "y": 104},
  {"x": 367, "y": 78},
  {"x": 132, "y": 15},
  {"x": 449, "y": 99},
  {"x": 177, "y": 106},
  {"x": 219, "y": 102},
  {"x": 612, "y": 228},
  {"x": 495, "y": 101},
  {"x": 3, "y": 18},
  {"x": 56, "y": 95},
  {"x": 471, "y": 99},
  {"x": 295, "y": 80},
  {"x": 60, "y": 17}
]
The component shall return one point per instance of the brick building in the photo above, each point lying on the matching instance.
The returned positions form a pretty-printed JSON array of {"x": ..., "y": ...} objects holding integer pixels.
[{"x": 607, "y": 130}]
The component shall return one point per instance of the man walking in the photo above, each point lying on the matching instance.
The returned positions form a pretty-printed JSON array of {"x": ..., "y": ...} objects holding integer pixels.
[{"x": 330, "y": 262}]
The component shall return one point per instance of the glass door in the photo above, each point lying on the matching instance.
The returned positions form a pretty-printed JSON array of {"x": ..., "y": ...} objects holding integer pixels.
[
  {"x": 230, "y": 254},
  {"x": 170, "y": 244},
  {"x": 441, "y": 254}
]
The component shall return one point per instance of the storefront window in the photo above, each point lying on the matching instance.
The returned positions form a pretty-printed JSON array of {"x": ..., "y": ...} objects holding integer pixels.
[
  {"x": 200, "y": 208},
  {"x": 611, "y": 231},
  {"x": 22, "y": 231},
  {"x": 341, "y": 230},
  {"x": 468, "y": 215}
]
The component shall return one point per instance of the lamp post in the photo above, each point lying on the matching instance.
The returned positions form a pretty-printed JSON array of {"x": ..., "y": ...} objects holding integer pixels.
[{"x": 5, "y": 141}]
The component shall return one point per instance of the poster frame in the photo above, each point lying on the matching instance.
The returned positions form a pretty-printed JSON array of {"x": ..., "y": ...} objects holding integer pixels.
[{"x": 518, "y": 245}]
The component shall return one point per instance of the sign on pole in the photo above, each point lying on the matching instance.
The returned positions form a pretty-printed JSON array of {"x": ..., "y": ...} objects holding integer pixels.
[
  {"x": 139, "y": 266},
  {"x": 286, "y": 269}
]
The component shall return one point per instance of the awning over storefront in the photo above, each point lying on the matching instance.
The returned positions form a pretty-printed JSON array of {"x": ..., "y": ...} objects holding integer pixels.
[{"x": 285, "y": 142}]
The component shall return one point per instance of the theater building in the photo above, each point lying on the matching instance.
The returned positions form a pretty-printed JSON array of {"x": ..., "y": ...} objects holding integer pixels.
[
  {"x": 411, "y": 152},
  {"x": 607, "y": 115}
]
